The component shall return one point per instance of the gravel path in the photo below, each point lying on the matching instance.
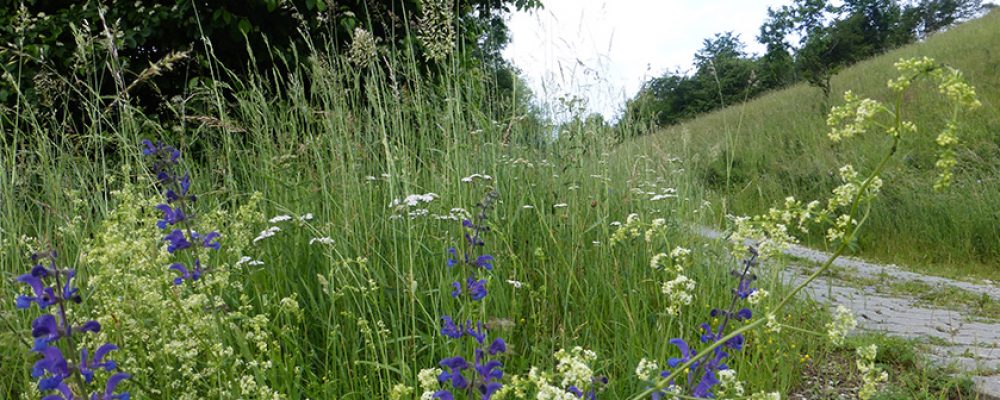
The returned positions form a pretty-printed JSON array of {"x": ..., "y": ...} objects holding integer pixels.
[{"x": 958, "y": 339}]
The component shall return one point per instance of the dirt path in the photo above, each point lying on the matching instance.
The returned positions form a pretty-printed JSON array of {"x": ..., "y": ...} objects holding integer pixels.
[{"x": 958, "y": 337}]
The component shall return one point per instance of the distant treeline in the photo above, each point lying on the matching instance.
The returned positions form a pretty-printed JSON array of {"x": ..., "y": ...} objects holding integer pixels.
[{"x": 808, "y": 41}]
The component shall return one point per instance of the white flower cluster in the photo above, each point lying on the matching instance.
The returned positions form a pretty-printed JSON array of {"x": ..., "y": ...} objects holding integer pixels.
[
  {"x": 473, "y": 177},
  {"x": 646, "y": 370},
  {"x": 757, "y": 295},
  {"x": 630, "y": 230},
  {"x": 679, "y": 293},
  {"x": 321, "y": 240},
  {"x": 544, "y": 389},
  {"x": 401, "y": 207},
  {"x": 413, "y": 200},
  {"x": 658, "y": 226},
  {"x": 765, "y": 396},
  {"x": 729, "y": 386},
  {"x": 428, "y": 382},
  {"x": 269, "y": 232},
  {"x": 574, "y": 366}
]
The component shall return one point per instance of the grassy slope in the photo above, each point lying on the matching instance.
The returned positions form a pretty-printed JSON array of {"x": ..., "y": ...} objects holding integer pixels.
[{"x": 779, "y": 148}]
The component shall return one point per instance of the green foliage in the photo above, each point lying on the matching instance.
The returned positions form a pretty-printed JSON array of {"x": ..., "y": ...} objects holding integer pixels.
[
  {"x": 226, "y": 39},
  {"x": 778, "y": 151},
  {"x": 831, "y": 37}
]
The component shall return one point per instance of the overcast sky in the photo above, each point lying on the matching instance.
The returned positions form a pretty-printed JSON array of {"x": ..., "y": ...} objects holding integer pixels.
[{"x": 603, "y": 50}]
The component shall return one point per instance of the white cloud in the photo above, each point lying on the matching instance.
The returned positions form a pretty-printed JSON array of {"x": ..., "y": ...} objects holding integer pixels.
[{"x": 602, "y": 50}]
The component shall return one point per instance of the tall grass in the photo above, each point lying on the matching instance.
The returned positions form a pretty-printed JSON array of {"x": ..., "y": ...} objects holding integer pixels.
[
  {"x": 341, "y": 143},
  {"x": 781, "y": 149}
]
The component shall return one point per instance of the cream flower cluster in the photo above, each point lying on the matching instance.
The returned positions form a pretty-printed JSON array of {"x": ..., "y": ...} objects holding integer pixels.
[
  {"x": 843, "y": 322},
  {"x": 679, "y": 292}
]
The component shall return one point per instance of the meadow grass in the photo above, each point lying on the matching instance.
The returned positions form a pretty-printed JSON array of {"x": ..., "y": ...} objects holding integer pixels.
[
  {"x": 355, "y": 317},
  {"x": 751, "y": 156},
  {"x": 370, "y": 303}
]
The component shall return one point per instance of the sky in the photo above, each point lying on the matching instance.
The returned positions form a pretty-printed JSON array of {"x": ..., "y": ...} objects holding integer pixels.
[{"x": 602, "y": 50}]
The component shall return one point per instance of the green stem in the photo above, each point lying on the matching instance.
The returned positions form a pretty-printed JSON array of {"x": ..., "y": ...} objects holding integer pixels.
[{"x": 784, "y": 301}]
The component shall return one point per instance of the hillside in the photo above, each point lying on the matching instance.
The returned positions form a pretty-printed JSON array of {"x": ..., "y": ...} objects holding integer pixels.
[{"x": 777, "y": 145}]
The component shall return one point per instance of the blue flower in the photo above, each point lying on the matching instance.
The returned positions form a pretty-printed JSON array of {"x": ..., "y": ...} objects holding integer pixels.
[
  {"x": 457, "y": 291},
  {"x": 89, "y": 326},
  {"x": 485, "y": 261},
  {"x": 736, "y": 343},
  {"x": 686, "y": 353},
  {"x": 44, "y": 296},
  {"x": 477, "y": 288},
  {"x": 52, "y": 364},
  {"x": 498, "y": 346},
  {"x": 487, "y": 390},
  {"x": 185, "y": 274},
  {"x": 455, "y": 365},
  {"x": 490, "y": 370},
  {"x": 45, "y": 330},
  {"x": 171, "y": 216},
  {"x": 454, "y": 257},
  {"x": 479, "y": 333},
  {"x": 88, "y": 365},
  {"x": 110, "y": 386},
  {"x": 443, "y": 395},
  {"x": 177, "y": 241},
  {"x": 449, "y": 329}
]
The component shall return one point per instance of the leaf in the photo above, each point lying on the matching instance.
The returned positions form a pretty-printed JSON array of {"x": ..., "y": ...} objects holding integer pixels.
[{"x": 245, "y": 26}]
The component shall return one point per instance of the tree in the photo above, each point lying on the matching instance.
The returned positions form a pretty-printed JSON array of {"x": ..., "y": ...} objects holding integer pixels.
[{"x": 242, "y": 35}]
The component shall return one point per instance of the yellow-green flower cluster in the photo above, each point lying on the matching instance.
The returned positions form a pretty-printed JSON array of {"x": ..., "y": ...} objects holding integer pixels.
[
  {"x": 871, "y": 375},
  {"x": 212, "y": 351},
  {"x": 857, "y": 115},
  {"x": 854, "y": 117}
]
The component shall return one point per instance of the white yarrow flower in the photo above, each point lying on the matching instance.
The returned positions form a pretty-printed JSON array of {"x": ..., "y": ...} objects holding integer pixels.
[
  {"x": 321, "y": 240},
  {"x": 267, "y": 233},
  {"x": 280, "y": 218}
]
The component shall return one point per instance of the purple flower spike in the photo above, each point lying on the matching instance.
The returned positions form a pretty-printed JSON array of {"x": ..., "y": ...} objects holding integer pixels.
[
  {"x": 177, "y": 241},
  {"x": 498, "y": 346},
  {"x": 477, "y": 288},
  {"x": 449, "y": 329},
  {"x": 171, "y": 216},
  {"x": 45, "y": 330}
]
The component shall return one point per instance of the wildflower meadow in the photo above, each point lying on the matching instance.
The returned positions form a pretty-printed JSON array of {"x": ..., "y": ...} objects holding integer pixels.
[{"x": 356, "y": 228}]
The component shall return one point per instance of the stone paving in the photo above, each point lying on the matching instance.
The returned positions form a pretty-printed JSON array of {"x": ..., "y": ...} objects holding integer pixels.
[{"x": 972, "y": 346}]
